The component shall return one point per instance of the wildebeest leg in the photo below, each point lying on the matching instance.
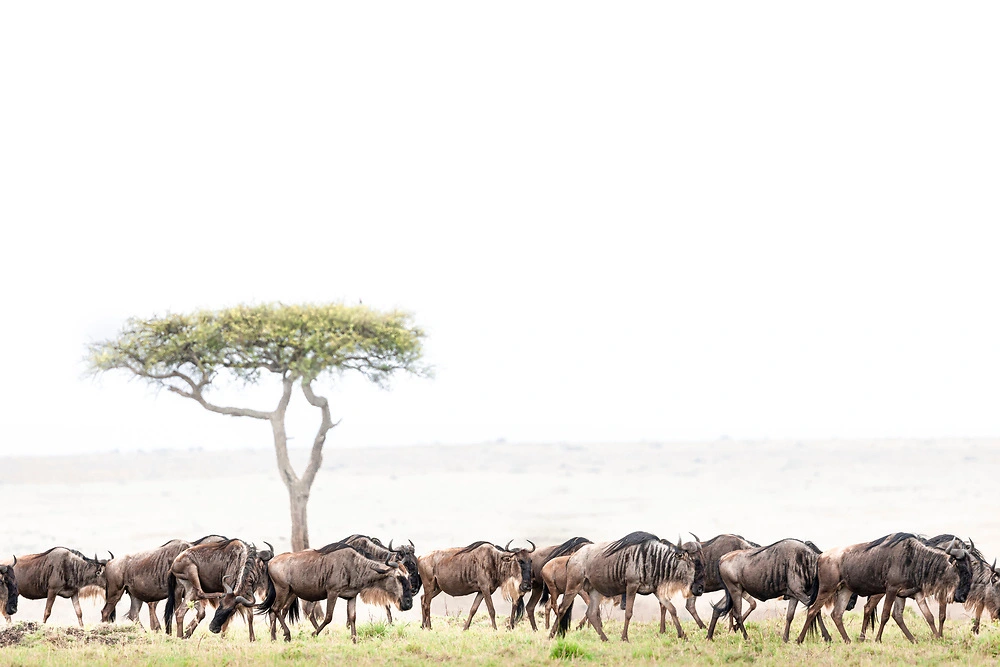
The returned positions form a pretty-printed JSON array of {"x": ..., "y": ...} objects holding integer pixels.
[
  {"x": 736, "y": 613},
  {"x": 113, "y": 594},
  {"x": 154, "y": 622},
  {"x": 897, "y": 615},
  {"x": 942, "y": 614},
  {"x": 572, "y": 589},
  {"x": 789, "y": 615},
  {"x": 924, "y": 609},
  {"x": 489, "y": 608},
  {"x": 425, "y": 605},
  {"x": 585, "y": 619},
  {"x": 76, "y": 607},
  {"x": 282, "y": 612},
  {"x": 513, "y": 611},
  {"x": 692, "y": 609},
  {"x": 839, "y": 606},
  {"x": 474, "y": 609},
  {"x": 593, "y": 615},
  {"x": 352, "y": 618},
  {"x": 331, "y": 601},
  {"x": 887, "y": 610},
  {"x": 630, "y": 593},
  {"x": 199, "y": 615},
  {"x": 388, "y": 614},
  {"x": 48, "y": 606},
  {"x": 248, "y": 611},
  {"x": 752, "y": 604},
  {"x": 529, "y": 607},
  {"x": 870, "y": 605},
  {"x": 975, "y": 621}
]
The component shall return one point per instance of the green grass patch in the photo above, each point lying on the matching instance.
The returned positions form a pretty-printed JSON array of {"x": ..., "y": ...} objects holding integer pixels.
[{"x": 565, "y": 649}]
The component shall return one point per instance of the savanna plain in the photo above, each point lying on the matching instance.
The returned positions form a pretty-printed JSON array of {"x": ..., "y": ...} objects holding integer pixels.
[{"x": 833, "y": 493}]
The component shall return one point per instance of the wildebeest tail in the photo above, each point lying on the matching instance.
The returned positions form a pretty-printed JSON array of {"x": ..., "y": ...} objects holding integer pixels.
[
  {"x": 293, "y": 611},
  {"x": 850, "y": 603},
  {"x": 872, "y": 618},
  {"x": 814, "y": 590},
  {"x": 565, "y": 620},
  {"x": 168, "y": 609},
  {"x": 519, "y": 609},
  {"x": 545, "y": 594},
  {"x": 725, "y": 604},
  {"x": 268, "y": 601}
]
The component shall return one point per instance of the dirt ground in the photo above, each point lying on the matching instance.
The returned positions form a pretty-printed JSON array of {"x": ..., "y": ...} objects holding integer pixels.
[{"x": 832, "y": 493}]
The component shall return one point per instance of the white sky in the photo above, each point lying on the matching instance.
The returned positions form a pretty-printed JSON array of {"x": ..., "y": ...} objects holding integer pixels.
[{"x": 616, "y": 221}]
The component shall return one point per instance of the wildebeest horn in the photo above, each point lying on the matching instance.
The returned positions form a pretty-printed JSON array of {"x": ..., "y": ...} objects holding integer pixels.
[
  {"x": 111, "y": 554},
  {"x": 390, "y": 545},
  {"x": 15, "y": 562},
  {"x": 411, "y": 543},
  {"x": 245, "y": 602},
  {"x": 225, "y": 586},
  {"x": 533, "y": 547},
  {"x": 393, "y": 565},
  {"x": 507, "y": 548},
  {"x": 972, "y": 545},
  {"x": 270, "y": 553},
  {"x": 696, "y": 538},
  {"x": 95, "y": 557},
  {"x": 994, "y": 565}
]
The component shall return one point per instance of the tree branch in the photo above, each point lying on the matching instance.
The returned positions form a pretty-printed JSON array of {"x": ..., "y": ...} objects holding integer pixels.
[
  {"x": 280, "y": 438},
  {"x": 316, "y": 455},
  {"x": 196, "y": 394}
]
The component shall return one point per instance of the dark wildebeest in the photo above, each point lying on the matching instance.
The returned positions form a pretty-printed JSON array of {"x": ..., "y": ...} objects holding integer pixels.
[
  {"x": 984, "y": 593},
  {"x": 786, "y": 568},
  {"x": 639, "y": 563},
  {"x": 897, "y": 565},
  {"x": 479, "y": 568},
  {"x": 539, "y": 591},
  {"x": 8, "y": 585},
  {"x": 404, "y": 555},
  {"x": 336, "y": 571},
  {"x": 59, "y": 572},
  {"x": 980, "y": 570},
  {"x": 143, "y": 576},
  {"x": 228, "y": 572},
  {"x": 711, "y": 552}
]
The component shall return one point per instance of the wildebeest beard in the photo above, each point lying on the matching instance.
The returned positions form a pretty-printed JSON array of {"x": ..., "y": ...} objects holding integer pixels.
[
  {"x": 7, "y": 573},
  {"x": 247, "y": 582}
]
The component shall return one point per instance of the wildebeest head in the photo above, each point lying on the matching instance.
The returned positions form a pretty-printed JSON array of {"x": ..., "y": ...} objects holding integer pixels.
[
  {"x": 229, "y": 603},
  {"x": 522, "y": 559},
  {"x": 691, "y": 552},
  {"x": 7, "y": 579},
  {"x": 393, "y": 587},
  {"x": 97, "y": 567},
  {"x": 960, "y": 558},
  {"x": 406, "y": 554}
]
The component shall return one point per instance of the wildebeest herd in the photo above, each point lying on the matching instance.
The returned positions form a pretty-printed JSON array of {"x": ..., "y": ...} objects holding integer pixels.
[{"x": 231, "y": 574}]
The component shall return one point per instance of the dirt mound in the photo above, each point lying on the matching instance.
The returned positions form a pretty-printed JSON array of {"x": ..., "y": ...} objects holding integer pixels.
[{"x": 30, "y": 632}]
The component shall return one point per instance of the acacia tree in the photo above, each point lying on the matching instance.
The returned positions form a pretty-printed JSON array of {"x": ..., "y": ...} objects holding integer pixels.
[{"x": 299, "y": 345}]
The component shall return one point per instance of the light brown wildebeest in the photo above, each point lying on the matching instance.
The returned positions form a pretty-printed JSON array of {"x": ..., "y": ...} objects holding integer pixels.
[
  {"x": 786, "y": 569},
  {"x": 709, "y": 555},
  {"x": 144, "y": 576},
  {"x": 405, "y": 555},
  {"x": 896, "y": 565},
  {"x": 335, "y": 571},
  {"x": 61, "y": 572},
  {"x": 228, "y": 572},
  {"x": 479, "y": 568},
  {"x": 639, "y": 563}
]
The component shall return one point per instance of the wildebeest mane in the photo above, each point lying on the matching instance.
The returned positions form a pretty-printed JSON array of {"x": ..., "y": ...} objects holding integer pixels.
[
  {"x": 570, "y": 546},
  {"x": 890, "y": 540},
  {"x": 72, "y": 551},
  {"x": 476, "y": 545},
  {"x": 201, "y": 540},
  {"x": 939, "y": 539},
  {"x": 630, "y": 540},
  {"x": 337, "y": 546}
]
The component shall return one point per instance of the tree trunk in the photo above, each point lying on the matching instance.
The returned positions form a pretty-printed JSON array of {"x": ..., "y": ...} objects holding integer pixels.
[{"x": 298, "y": 499}]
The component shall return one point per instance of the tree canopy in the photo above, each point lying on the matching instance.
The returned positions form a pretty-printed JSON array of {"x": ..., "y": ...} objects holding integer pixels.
[{"x": 186, "y": 353}]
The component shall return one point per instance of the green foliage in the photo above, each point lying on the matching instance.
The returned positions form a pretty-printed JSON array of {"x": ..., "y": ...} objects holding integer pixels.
[
  {"x": 568, "y": 650},
  {"x": 305, "y": 340},
  {"x": 373, "y": 630}
]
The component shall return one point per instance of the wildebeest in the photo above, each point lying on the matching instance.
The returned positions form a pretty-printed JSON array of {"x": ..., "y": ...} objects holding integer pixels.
[
  {"x": 61, "y": 572},
  {"x": 639, "y": 563},
  {"x": 896, "y": 565},
  {"x": 709, "y": 554},
  {"x": 984, "y": 593},
  {"x": 228, "y": 572},
  {"x": 336, "y": 571},
  {"x": 144, "y": 576},
  {"x": 8, "y": 584},
  {"x": 480, "y": 568},
  {"x": 404, "y": 554},
  {"x": 554, "y": 576},
  {"x": 981, "y": 571},
  {"x": 786, "y": 568},
  {"x": 541, "y": 556}
]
